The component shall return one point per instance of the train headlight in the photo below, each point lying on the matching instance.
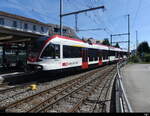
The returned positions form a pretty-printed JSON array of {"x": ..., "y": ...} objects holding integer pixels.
[{"x": 39, "y": 67}]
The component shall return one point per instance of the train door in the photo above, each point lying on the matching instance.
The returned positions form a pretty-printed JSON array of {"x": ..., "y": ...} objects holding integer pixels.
[
  {"x": 100, "y": 57},
  {"x": 84, "y": 58}
]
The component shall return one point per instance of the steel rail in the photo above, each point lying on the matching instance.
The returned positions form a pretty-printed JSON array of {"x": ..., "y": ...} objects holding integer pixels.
[
  {"x": 68, "y": 94},
  {"x": 16, "y": 87},
  {"x": 105, "y": 99},
  {"x": 76, "y": 107},
  {"x": 3, "y": 84},
  {"x": 35, "y": 109},
  {"x": 33, "y": 96}
]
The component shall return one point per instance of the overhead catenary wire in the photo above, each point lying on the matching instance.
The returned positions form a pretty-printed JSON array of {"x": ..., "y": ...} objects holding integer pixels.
[
  {"x": 78, "y": 4},
  {"x": 93, "y": 18},
  {"x": 136, "y": 14},
  {"x": 85, "y": 12},
  {"x": 89, "y": 16},
  {"x": 41, "y": 14}
]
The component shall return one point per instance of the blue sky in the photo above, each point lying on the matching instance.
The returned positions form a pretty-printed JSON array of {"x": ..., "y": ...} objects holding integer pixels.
[{"x": 113, "y": 18}]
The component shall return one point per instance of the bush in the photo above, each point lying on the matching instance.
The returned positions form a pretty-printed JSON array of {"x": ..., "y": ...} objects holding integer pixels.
[
  {"x": 134, "y": 59},
  {"x": 146, "y": 58}
]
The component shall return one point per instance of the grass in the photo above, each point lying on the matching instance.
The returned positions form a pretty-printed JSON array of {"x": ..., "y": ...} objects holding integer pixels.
[{"x": 139, "y": 60}]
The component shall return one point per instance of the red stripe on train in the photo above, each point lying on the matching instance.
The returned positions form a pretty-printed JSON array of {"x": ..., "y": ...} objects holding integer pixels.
[
  {"x": 100, "y": 62},
  {"x": 85, "y": 65}
]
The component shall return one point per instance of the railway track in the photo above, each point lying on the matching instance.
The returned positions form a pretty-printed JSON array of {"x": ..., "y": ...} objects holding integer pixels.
[
  {"x": 76, "y": 98},
  {"x": 10, "y": 92},
  {"x": 43, "y": 100},
  {"x": 3, "y": 84}
]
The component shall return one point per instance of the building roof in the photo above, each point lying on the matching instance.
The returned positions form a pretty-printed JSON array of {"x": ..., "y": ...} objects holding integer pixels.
[
  {"x": 70, "y": 32},
  {"x": 21, "y": 18}
]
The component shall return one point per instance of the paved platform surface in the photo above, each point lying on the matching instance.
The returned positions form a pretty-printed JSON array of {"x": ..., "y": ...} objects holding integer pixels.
[{"x": 137, "y": 85}]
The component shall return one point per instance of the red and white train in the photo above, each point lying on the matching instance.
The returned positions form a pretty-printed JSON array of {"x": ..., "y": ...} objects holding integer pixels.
[{"x": 60, "y": 52}]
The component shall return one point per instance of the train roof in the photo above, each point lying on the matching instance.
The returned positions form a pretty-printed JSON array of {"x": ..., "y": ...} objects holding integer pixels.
[{"x": 81, "y": 43}]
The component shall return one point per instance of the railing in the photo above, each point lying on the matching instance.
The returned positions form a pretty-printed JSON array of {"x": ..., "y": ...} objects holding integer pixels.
[{"x": 122, "y": 103}]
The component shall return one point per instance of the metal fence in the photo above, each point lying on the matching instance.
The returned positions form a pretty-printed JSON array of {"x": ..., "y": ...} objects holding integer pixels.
[{"x": 122, "y": 103}]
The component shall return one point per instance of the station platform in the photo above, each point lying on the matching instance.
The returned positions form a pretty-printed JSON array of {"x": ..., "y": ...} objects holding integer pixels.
[{"x": 136, "y": 81}]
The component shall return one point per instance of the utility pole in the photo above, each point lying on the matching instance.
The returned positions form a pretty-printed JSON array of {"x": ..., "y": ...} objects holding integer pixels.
[
  {"x": 136, "y": 39},
  {"x": 111, "y": 40},
  {"x": 129, "y": 35},
  {"x": 61, "y": 19},
  {"x": 76, "y": 22},
  {"x": 122, "y": 35},
  {"x": 75, "y": 13}
]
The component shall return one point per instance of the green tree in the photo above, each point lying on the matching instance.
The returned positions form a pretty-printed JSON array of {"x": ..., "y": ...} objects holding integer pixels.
[
  {"x": 143, "y": 48},
  {"x": 106, "y": 42},
  {"x": 117, "y": 45}
]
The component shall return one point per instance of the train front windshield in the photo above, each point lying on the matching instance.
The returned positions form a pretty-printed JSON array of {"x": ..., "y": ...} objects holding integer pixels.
[{"x": 34, "y": 48}]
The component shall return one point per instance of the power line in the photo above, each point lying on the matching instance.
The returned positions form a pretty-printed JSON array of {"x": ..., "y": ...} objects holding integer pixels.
[
  {"x": 96, "y": 29},
  {"x": 102, "y": 22},
  {"x": 107, "y": 30},
  {"x": 136, "y": 14},
  {"x": 89, "y": 6},
  {"x": 41, "y": 14},
  {"x": 81, "y": 11}
]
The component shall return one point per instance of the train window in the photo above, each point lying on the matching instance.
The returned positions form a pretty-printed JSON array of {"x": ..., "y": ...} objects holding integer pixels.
[
  {"x": 95, "y": 58},
  {"x": 117, "y": 54},
  {"x": 51, "y": 51},
  {"x": 66, "y": 52},
  {"x": 121, "y": 54},
  {"x": 93, "y": 54},
  {"x": 57, "y": 51},
  {"x": 1, "y": 21},
  {"x": 100, "y": 54},
  {"x": 112, "y": 53},
  {"x": 105, "y": 54},
  {"x": 90, "y": 58},
  {"x": 90, "y": 54},
  {"x": 71, "y": 52}
]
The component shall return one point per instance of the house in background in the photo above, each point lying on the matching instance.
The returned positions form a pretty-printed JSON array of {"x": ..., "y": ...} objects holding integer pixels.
[{"x": 67, "y": 31}]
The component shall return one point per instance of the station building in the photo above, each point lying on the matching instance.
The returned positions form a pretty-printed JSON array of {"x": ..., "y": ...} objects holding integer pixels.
[
  {"x": 17, "y": 31},
  {"x": 21, "y": 26}
]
